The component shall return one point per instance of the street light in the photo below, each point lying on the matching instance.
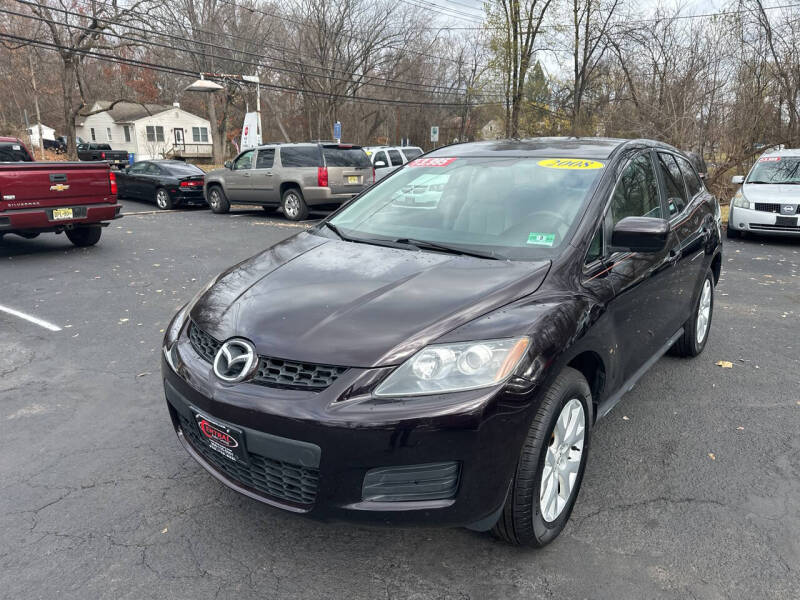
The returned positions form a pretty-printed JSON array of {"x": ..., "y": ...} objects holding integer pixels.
[{"x": 203, "y": 85}]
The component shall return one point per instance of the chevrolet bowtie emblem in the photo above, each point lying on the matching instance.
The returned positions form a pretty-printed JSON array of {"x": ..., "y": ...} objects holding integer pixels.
[{"x": 59, "y": 187}]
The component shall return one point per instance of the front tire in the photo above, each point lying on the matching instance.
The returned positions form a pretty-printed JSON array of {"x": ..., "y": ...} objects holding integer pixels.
[
  {"x": 218, "y": 201},
  {"x": 163, "y": 199},
  {"x": 84, "y": 236},
  {"x": 695, "y": 330},
  {"x": 294, "y": 205},
  {"x": 551, "y": 465}
]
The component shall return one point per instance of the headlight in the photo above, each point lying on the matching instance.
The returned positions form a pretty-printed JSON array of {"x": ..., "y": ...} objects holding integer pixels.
[
  {"x": 442, "y": 368},
  {"x": 740, "y": 201}
]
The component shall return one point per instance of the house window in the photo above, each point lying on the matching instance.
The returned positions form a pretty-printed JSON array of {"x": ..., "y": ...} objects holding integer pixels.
[
  {"x": 108, "y": 133},
  {"x": 94, "y": 139},
  {"x": 200, "y": 134},
  {"x": 155, "y": 133},
  {"x": 127, "y": 131}
]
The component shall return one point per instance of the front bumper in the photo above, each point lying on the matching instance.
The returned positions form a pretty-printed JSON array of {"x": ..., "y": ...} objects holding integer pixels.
[
  {"x": 757, "y": 221},
  {"x": 481, "y": 431}
]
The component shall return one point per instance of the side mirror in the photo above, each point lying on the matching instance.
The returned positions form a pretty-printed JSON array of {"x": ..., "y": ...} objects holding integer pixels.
[
  {"x": 228, "y": 164},
  {"x": 640, "y": 234},
  {"x": 378, "y": 164},
  {"x": 737, "y": 179}
]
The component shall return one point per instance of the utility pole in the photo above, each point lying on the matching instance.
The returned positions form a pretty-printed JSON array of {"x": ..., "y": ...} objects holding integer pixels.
[{"x": 36, "y": 105}]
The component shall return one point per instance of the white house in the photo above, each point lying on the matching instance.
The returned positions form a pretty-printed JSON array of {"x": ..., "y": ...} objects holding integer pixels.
[
  {"x": 147, "y": 130},
  {"x": 48, "y": 133}
]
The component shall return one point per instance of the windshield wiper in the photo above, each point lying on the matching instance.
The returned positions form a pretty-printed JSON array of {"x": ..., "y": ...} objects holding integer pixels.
[
  {"x": 335, "y": 230},
  {"x": 424, "y": 245},
  {"x": 758, "y": 182}
]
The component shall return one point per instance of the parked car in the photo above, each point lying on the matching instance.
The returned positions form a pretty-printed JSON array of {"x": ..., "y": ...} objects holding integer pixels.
[
  {"x": 167, "y": 183},
  {"x": 446, "y": 366},
  {"x": 59, "y": 197},
  {"x": 92, "y": 151},
  {"x": 386, "y": 159},
  {"x": 768, "y": 200},
  {"x": 56, "y": 145},
  {"x": 292, "y": 176}
]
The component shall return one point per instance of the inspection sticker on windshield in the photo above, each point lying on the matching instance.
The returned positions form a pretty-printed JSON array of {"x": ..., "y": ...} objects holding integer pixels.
[
  {"x": 570, "y": 163},
  {"x": 541, "y": 239},
  {"x": 430, "y": 162}
]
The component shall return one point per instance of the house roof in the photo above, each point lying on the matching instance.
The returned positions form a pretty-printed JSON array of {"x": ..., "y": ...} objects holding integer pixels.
[{"x": 125, "y": 112}]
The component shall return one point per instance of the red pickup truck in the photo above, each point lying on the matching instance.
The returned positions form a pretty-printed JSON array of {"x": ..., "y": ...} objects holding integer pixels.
[{"x": 78, "y": 199}]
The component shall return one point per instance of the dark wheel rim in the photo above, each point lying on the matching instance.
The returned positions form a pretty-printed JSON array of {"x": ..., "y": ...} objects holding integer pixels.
[{"x": 161, "y": 199}]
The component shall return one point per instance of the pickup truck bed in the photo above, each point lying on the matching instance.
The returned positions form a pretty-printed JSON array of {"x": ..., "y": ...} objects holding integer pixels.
[{"x": 72, "y": 197}]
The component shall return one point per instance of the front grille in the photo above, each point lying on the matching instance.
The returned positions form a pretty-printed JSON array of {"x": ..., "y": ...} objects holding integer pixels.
[
  {"x": 768, "y": 207},
  {"x": 205, "y": 345},
  {"x": 757, "y": 226},
  {"x": 272, "y": 372},
  {"x": 284, "y": 373},
  {"x": 274, "y": 478}
]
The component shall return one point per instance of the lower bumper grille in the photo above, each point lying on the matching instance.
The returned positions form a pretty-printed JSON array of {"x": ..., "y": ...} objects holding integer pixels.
[
  {"x": 274, "y": 478},
  {"x": 790, "y": 228}
]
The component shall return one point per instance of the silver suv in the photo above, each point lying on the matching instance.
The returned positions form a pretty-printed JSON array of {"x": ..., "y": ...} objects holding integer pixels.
[
  {"x": 769, "y": 199},
  {"x": 386, "y": 159},
  {"x": 292, "y": 176}
]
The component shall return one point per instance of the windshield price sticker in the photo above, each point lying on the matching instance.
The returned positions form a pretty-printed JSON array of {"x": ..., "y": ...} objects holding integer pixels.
[
  {"x": 431, "y": 162},
  {"x": 570, "y": 163},
  {"x": 769, "y": 159},
  {"x": 541, "y": 239}
]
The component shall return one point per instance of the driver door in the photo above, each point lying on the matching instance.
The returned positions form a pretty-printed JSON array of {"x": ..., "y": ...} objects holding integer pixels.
[{"x": 238, "y": 185}]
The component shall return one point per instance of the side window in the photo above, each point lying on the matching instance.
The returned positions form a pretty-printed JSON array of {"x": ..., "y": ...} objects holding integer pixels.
[
  {"x": 244, "y": 161},
  {"x": 138, "y": 168},
  {"x": 265, "y": 158},
  {"x": 152, "y": 169},
  {"x": 412, "y": 153},
  {"x": 300, "y": 156},
  {"x": 381, "y": 156},
  {"x": 636, "y": 194},
  {"x": 395, "y": 157},
  {"x": 693, "y": 183},
  {"x": 596, "y": 247},
  {"x": 673, "y": 184}
]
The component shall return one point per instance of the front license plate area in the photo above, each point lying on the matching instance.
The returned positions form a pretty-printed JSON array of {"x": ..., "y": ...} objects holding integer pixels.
[
  {"x": 62, "y": 214},
  {"x": 786, "y": 221},
  {"x": 352, "y": 179},
  {"x": 223, "y": 439}
]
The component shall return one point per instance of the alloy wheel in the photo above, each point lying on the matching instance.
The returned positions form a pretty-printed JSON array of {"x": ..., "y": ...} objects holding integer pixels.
[
  {"x": 562, "y": 460},
  {"x": 703, "y": 312},
  {"x": 161, "y": 199},
  {"x": 213, "y": 198},
  {"x": 291, "y": 205}
]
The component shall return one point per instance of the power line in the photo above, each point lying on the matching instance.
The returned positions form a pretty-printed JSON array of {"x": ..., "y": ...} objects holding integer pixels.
[{"x": 366, "y": 79}]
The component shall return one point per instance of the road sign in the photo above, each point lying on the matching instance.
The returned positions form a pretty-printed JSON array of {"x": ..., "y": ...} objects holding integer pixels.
[
  {"x": 434, "y": 134},
  {"x": 337, "y": 131}
]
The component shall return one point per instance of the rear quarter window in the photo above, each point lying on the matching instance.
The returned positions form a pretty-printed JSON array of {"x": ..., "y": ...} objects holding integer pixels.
[
  {"x": 11, "y": 152},
  {"x": 412, "y": 153},
  {"x": 301, "y": 156},
  {"x": 346, "y": 157}
]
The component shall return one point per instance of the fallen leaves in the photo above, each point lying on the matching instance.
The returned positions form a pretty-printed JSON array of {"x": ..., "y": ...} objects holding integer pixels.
[
  {"x": 725, "y": 364},
  {"x": 712, "y": 456}
]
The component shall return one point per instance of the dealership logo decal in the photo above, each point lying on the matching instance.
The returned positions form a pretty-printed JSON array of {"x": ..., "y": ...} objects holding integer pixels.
[
  {"x": 217, "y": 435},
  {"x": 235, "y": 361}
]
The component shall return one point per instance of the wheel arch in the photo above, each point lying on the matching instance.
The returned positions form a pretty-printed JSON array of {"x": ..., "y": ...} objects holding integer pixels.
[
  {"x": 716, "y": 267},
  {"x": 592, "y": 367},
  {"x": 285, "y": 185}
]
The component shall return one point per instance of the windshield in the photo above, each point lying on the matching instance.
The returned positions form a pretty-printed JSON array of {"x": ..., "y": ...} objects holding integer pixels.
[
  {"x": 13, "y": 153},
  {"x": 775, "y": 169},
  {"x": 519, "y": 208}
]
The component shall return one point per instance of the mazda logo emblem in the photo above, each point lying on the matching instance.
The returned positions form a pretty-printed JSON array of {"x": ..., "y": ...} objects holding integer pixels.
[{"x": 235, "y": 360}]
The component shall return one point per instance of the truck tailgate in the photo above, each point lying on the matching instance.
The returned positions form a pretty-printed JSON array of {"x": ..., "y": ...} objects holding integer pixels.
[{"x": 53, "y": 184}]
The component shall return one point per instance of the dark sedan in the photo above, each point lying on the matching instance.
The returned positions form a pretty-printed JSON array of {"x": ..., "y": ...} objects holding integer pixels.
[
  {"x": 445, "y": 366},
  {"x": 168, "y": 183}
]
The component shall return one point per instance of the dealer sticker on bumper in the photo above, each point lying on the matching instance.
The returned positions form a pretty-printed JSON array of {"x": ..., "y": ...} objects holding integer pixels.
[{"x": 221, "y": 438}]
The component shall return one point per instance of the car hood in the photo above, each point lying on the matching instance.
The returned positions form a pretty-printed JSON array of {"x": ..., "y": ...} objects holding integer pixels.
[
  {"x": 774, "y": 193},
  {"x": 326, "y": 301}
]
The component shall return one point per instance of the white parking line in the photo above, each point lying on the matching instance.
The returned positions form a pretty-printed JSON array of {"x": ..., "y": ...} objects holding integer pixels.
[{"x": 30, "y": 318}]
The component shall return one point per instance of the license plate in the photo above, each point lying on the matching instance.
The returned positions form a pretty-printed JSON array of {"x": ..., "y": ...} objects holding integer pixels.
[
  {"x": 786, "y": 221},
  {"x": 60, "y": 214},
  {"x": 223, "y": 439},
  {"x": 352, "y": 179}
]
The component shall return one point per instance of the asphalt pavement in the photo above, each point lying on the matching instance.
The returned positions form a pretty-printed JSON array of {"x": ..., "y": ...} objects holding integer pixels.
[{"x": 692, "y": 487}]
